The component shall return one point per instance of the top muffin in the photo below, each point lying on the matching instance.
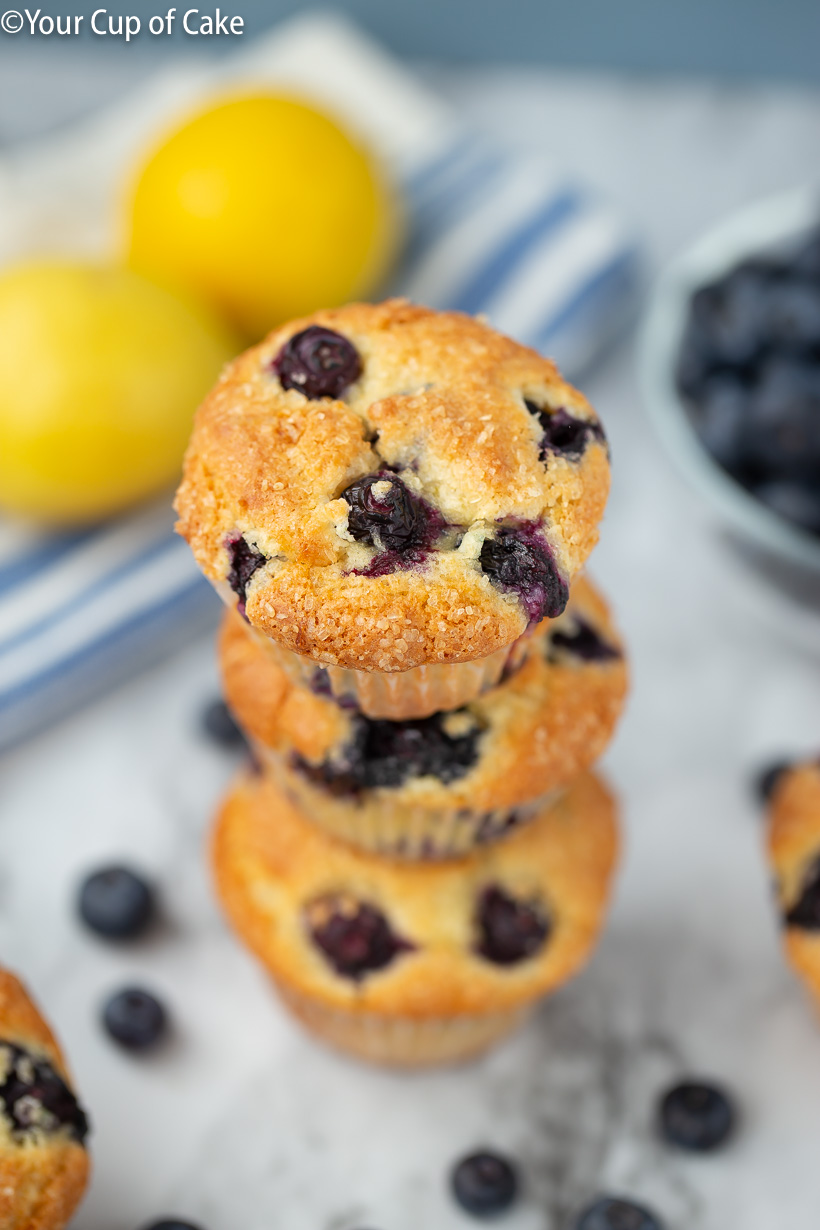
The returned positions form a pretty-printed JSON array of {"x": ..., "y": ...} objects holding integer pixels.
[{"x": 380, "y": 487}]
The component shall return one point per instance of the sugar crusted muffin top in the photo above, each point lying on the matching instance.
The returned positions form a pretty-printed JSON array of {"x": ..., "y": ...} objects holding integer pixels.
[
  {"x": 379, "y": 487},
  {"x": 484, "y": 933},
  {"x": 43, "y": 1162}
]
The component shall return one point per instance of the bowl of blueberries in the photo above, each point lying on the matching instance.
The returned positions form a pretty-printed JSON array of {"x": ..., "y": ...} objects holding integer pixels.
[{"x": 730, "y": 369}]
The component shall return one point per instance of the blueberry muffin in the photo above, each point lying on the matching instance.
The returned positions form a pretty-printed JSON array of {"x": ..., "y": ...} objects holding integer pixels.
[
  {"x": 384, "y": 487},
  {"x": 43, "y": 1162},
  {"x": 794, "y": 853},
  {"x": 411, "y": 963},
  {"x": 438, "y": 786}
]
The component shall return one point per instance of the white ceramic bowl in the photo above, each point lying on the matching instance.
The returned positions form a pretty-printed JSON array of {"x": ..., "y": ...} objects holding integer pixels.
[{"x": 766, "y": 226}]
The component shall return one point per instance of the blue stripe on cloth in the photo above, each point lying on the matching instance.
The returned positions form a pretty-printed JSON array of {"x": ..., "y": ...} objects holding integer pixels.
[{"x": 490, "y": 231}]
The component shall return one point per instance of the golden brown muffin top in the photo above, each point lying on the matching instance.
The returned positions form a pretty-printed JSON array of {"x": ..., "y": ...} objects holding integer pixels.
[
  {"x": 386, "y": 486},
  {"x": 480, "y": 934},
  {"x": 529, "y": 735},
  {"x": 43, "y": 1164}
]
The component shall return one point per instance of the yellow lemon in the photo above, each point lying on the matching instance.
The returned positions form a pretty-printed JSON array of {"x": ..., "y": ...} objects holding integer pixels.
[
  {"x": 266, "y": 208},
  {"x": 100, "y": 373}
]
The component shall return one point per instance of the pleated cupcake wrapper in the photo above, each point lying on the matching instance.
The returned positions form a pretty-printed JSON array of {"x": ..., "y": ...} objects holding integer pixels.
[
  {"x": 402, "y": 695},
  {"x": 402, "y": 1041},
  {"x": 399, "y": 829}
]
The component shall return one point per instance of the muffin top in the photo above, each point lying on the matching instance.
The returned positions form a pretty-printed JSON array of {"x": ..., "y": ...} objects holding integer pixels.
[
  {"x": 487, "y": 932},
  {"x": 379, "y": 487},
  {"x": 43, "y": 1164},
  {"x": 794, "y": 844},
  {"x": 528, "y": 736}
]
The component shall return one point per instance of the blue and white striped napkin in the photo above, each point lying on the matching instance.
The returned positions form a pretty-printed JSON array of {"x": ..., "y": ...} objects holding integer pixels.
[{"x": 490, "y": 230}]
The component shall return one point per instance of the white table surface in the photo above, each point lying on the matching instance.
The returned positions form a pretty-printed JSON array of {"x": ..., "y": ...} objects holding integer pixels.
[{"x": 244, "y": 1123}]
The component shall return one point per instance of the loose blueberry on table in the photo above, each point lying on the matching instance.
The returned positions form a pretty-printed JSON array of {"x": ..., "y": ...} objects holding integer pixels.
[
  {"x": 135, "y": 1018},
  {"x": 696, "y": 1116},
  {"x": 805, "y": 913},
  {"x": 509, "y": 931},
  {"x": 116, "y": 902},
  {"x": 749, "y": 368},
  {"x": 518, "y": 560},
  {"x": 610, "y": 1213},
  {"x": 768, "y": 778},
  {"x": 34, "y": 1098},
  {"x": 484, "y": 1183},
  {"x": 171, "y": 1224},
  {"x": 318, "y": 362},
  {"x": 354, "y": 936},
  {"x": 219, "y": 724}
]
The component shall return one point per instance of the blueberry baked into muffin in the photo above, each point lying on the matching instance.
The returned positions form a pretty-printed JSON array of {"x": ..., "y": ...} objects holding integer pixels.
[
  {"x": 438, "y": 786},
  {"x": 43, "y": 1161},
  {"x": 379, "y": 488},
  {"x": 794, "y": 854},
  {"x": 413, "y": 963}
]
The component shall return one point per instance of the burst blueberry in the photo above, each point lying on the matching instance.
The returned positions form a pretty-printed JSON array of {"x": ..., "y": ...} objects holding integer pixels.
[
  {"x": 135, "y": 1018},
  {"x": 696, "y": 1116},
  {"x": 509, "y": 930},
  {"x": 385, "y": 754},
  {"x": 805, "y": 913},
  {"x": 580, "y": 640},
  {"x": 116, "y": 902},
  {"x": 245, "y": 561},
  {"x": 385, "y": 514},
  {"x": 519, "y": 560},
  {"x": 610, "y": 1213},
  {"x": 318, "y": 362},
  {"x": 355, "y": 936},
  {"x": 484, "y": 1184},
  {"x": 34, "y": 1098},
  {"x": 563, "y": 433}
]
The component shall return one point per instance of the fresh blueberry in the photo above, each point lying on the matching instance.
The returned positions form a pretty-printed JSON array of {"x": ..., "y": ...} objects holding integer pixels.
[
  {"x": 798, "y": 502},
  {"x": 520, "y": 561},
  {"x": 805, "y": 913},
  {"x": 245, "y": 560},
  {"x": 385, "y": 514},
  {"x": 116, "y": 902},
  {"x": 721, "y": 418},
  {"x": 355, "y": 937},
  {"x": 610, "y": 1213},
  {"x": 563, "y": 433},
  {"x": 318, "y": 362},
  {"x": 220, "y": 725},
  {"x": 768, "y": 778},
  {"x": 580, "y": 640},
  {"x": 35, "y": 1098},
  {"x": 806, "y": 260},
  {"x": 695, "y": 363},
  {"x": 484, "y": 1183},
  {"x": 171, "y": 1223},
  {"x": 696, "y": 1116},
  {"x": 509, "y": 930},
  {"x": 731, "y": 314},
  {"x": 782, "y": 435},
  {"x": 135, "y": 1019},
  {"x": 794, "y": 315},
  {"x": 386, "y": 754}
]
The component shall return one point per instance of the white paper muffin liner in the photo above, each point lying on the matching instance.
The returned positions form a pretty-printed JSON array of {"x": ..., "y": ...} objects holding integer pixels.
[
  {"x": 402, "y": 1041},
  {"x": 397, "y": 829}
]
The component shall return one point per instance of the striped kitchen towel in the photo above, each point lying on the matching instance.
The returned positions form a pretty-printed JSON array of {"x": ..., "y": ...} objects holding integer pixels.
[{"x": 491, "y": 230}]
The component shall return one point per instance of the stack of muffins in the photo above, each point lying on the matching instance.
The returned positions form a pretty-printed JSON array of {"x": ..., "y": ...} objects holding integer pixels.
[{"x": 396, "y": 503}]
